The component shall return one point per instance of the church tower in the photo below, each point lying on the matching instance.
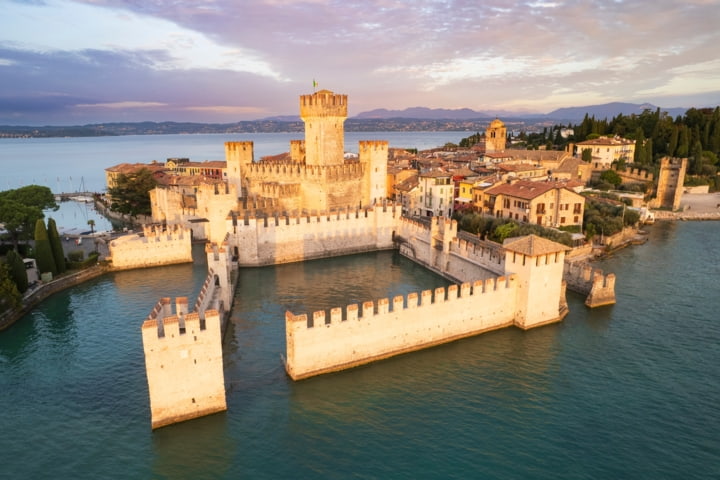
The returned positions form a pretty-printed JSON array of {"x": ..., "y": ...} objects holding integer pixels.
[
  {"x": 324, "y": 114},
  {"x": 495, "y": 136}
]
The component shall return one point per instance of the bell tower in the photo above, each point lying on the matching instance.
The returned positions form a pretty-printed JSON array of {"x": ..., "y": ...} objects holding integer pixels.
[
  {"x": 495, "y": 136},
  {"x": 324, "y": 114}
]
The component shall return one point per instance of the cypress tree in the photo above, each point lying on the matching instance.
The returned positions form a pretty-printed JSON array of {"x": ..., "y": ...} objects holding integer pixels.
[
  {"x": 43, "y": 250},
  {"x": 697, "y": 159},
  {"x": 639, "y": 156},
  {"x": 672, "y": 144},
  {"x": 56, "y": 244},
  {"x": 17, "y": 270},
  {"x": 10, "y": 297},
  {"x": 683, "y": 147}
]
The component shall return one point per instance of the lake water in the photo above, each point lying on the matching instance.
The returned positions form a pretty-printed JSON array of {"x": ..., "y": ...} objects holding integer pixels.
[
  {"x": 630, "y": 391},
  {"x": 78, "y": 164}
]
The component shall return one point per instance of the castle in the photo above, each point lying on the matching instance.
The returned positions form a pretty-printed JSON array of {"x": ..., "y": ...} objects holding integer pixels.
[{"x": 316, "y": 204}]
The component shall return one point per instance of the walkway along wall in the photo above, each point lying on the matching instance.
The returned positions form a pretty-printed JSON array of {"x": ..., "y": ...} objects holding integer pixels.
[{"x": 183, "y": 350}]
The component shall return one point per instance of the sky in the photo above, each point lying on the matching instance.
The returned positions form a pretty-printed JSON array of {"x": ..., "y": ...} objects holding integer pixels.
[{"x": 74, "y": 62}]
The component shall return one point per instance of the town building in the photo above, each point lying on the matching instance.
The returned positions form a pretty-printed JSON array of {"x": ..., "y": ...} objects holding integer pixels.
[
  {"x": 548, "y": 204},
  {"x": 606, "y": 150}
]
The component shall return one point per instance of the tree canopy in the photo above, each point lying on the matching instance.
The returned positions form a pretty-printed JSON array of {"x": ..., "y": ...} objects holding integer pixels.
[
  {"x": 131, "y": 193},
  {"x": 21, "y": 208}
]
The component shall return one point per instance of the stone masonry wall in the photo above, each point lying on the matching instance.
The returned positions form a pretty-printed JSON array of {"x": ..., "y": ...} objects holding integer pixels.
[
  {"x": 183, "y": 363},
  {"x": 286, "y": 239},
  {"x": 375, "y": 331},
  {"x": 158, "y": 246}
]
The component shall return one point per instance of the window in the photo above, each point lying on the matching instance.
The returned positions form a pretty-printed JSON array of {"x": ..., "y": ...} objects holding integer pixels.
[{"x": 562, "y": 220}]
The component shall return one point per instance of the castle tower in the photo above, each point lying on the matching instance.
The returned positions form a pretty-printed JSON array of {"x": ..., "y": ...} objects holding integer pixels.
[
  {"x": 495, "y": 136},
  {"x": 539, "y": 265},
  {"x": 183, "y": 363},
  {"x": 374, "y": 154},
  {"x": 237, "y": 154},
  {"x": 670, "y": 183},
  {"x": 324, "y": 114},
  {"x": 215, "y": 202}
]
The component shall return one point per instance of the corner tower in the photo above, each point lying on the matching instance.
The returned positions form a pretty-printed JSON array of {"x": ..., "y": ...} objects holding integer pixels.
[
  {"x": 324, "y": 114},
  {"x": 538, "y": 264}
]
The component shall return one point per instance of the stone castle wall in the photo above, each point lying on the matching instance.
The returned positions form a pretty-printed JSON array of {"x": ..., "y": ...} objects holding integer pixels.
[
  {"x": 183, "y": 363},
  {"x": 375, "y": 331},
  {"x": 583, "y": 278},
  {"x": 157, "y": 246},
  {"x": 286, "y": 239}
]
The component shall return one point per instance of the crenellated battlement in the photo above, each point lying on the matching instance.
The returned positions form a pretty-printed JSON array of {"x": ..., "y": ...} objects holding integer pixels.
[
  {"x": 158, "y": 245},
  {"x": 279, "y": 190},
  {"x": 373, "y": 330},
  {"x": 366, "y": 215},
  {"x": 635, "y": 175},
  {"x": 372, "y": 145},
  {"x": 160, "y": 232},
  {"x": 323, "y": 104},
  {"x": 289, "y": 172},
  {"x": 413, "y": 300},
  {"x": 583, "y": 278}
]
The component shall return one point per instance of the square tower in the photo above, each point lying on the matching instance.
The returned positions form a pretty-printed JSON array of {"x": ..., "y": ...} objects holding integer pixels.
[{"x": 324, "y": 114}]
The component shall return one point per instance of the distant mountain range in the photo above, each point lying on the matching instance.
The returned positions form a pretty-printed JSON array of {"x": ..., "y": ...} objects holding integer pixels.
[
  {"x": 410, "y": 119},
  {"x": 573, "y": 114}
]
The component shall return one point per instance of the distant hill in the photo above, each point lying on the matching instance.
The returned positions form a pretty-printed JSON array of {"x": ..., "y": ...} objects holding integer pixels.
[
  {"x": 570, "y": 114},
  {"x": 423, "y": 113},
  {"x": 609, "y": 110}
]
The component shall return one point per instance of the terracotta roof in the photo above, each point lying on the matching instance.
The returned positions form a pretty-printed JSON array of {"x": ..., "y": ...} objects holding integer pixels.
[
  {"x": 524, "y": 189},
  {"x": 134, "y": 167},
  {"x": 407, "y": 184},
  {"x": 608, "y": 141},
  {"x": 533, "y": 246}
]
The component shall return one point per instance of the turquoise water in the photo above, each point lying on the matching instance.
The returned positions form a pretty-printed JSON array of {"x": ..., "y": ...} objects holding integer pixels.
[{"x": 629, "y": 391}]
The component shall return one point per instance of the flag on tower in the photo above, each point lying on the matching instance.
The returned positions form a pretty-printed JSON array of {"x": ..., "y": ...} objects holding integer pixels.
[{"x": 314, "y": 83}]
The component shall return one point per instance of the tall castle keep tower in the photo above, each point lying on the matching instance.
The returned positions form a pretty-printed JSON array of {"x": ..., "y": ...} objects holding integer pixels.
[
  {"x": 315, "y": 176},
  {"x": 324, "y": 114},
  {"x": 495, "y": 136}
]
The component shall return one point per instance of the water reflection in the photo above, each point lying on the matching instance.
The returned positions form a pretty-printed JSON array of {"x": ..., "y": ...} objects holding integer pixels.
[{"x": 202, "y": 448}]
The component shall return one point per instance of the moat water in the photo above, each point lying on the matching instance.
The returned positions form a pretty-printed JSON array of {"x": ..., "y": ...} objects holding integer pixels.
[{"x": 629, "y": 391}]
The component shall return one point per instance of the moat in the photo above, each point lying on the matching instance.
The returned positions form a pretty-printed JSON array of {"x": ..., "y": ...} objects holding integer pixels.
[{"x": 628, "y": 391}]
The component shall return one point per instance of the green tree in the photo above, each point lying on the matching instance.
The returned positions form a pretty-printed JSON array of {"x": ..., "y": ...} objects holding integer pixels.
[
  {"x": 43, "y": 249},
  {"x": 131, "y": 193},
  {"x": 639, "y": 147},
  {"x": 10, "y": 297},
  {"x": 683, "y": 148},
  {"x": 17, "y": 270},
  {"x": 22, "y": 207},
  {"x": 696, "y": 159},
  {"x": 587, "y": 155},
  {"x": 56, "y": 245},
  {"x": 611, "y": 176},
  {"x": 504, "y": 231}
]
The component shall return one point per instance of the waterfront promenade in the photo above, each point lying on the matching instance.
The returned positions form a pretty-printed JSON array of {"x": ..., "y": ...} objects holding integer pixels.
[{"x": 694, "y": 206}]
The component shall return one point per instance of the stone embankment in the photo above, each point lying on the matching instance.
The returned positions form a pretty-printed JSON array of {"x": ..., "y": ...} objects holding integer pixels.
[
  {"x": 40, "y": 292},
  {"x": 694, "y": 206}
]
